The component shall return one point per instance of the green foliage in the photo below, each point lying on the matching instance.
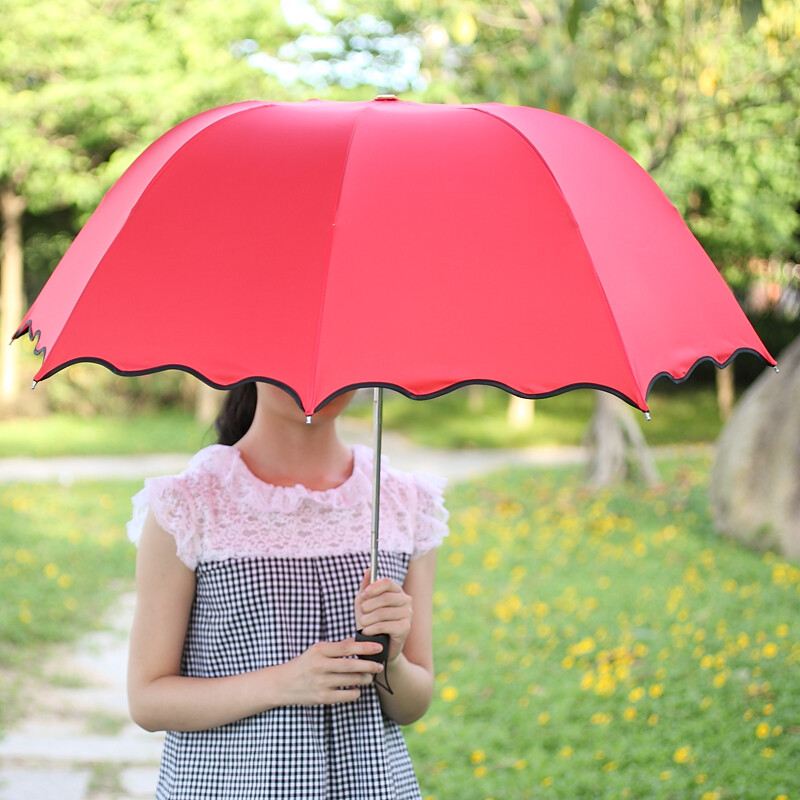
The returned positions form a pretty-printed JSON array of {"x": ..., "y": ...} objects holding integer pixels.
[
  {"x": 606, "y": 645},
  {"x": 85, "y": 85}
]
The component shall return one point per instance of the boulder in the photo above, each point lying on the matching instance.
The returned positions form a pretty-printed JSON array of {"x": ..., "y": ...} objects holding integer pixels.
[{"x": 755, "y": 481}]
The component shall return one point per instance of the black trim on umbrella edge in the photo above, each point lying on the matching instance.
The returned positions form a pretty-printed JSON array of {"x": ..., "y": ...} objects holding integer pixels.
[{"x": 26, "y": 328}]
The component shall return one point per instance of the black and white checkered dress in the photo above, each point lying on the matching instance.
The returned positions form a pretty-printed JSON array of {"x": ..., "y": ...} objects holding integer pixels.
[{"x": 277, "y": 569}]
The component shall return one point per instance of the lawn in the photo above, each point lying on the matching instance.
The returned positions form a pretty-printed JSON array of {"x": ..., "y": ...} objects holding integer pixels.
[
  {"x": 608, "y": 645},
  {"x": 64, "y": 557},
  {"x": 168, "y": 431},
  {"x": 588, "y": 644}
]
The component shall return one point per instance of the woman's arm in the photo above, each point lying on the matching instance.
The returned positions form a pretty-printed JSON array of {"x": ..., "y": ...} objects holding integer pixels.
[
  {"x": 160, "y": 698},
  {"x": 407, "y": 616}
]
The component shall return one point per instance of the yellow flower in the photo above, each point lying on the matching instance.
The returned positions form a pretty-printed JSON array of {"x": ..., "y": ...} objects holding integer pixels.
[
  {"x": 636, "y": 694},
  {"x": 420, "y": 727},
  {"x": 665, "y": 775},
  {"x": 710, "y": 795},
  {"x": 630, "y": 714},
  {"x": 583, "y": 647},
  {"x": 610, "y": 766},
  {"x": 492, "y": 558},
  {"x": 480, "y": 771},
  {"x": 767, "y": 752},
  {"x": 782, "y": 630},
  {"x": 543, "y": 718},
  {"x": 449, "y": 693},
  {"x": 701, "y": 778},
  {"x": 656, "y": 690},
  {"x": 606, "y": 685},
  {"x": 520, "y": 764},
  {"x": 682, "y": 755},
  {"x": 762, "y": 730},
  {"x": 720, "y": 679},
  {"x": 770, "y": 650},
  {"x": 566, "y": 752},
  {"x": 477, "y": 757},
  {"x": 768, "y": 709},
  {"x": 473, "y": 589},
  {"x": 548, "y": 781},
  {"x": 652, "y": 720},
  {"x": 51, "y": 571}
]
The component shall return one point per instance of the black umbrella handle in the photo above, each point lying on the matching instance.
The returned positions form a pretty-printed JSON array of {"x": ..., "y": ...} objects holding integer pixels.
[
  {"x": 382, "y": 639},
  {"x": 382, "y": 657}
]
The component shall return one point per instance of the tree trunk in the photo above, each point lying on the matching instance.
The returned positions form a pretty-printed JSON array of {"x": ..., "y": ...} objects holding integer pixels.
[
  {"x": 618, "y": 449},
  {"x": 726, "y": 391},
  {"x": 207, "y": 402},
  {"x": 476, "y": 398},
  {"x": 520, "y": 413},
  {"x": 12, "y": 207}
]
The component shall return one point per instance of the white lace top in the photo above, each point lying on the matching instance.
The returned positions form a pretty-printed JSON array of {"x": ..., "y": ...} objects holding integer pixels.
[{"x": 217, "y": 509}]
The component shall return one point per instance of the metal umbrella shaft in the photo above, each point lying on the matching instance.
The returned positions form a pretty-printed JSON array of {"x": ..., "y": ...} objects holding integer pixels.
[{"x": 377, "y": 430}]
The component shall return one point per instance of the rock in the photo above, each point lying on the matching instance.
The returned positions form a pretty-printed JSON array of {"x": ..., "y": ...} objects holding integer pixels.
[{"x": 755, "y": 482}]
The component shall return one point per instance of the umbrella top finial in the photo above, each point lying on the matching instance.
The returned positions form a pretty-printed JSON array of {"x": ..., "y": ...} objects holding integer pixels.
[{"x": 386, "y": 97}]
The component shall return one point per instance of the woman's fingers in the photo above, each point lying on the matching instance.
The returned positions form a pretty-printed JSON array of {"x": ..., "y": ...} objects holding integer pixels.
[{"x": 328, "y": 672}]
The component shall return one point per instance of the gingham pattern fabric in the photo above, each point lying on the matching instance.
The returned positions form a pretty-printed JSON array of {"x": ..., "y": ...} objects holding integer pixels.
[{"x": 258, "y": 612}]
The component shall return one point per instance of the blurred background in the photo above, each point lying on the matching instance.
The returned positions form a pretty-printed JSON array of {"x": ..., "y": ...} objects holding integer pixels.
[{"x": 703, "y": 95}]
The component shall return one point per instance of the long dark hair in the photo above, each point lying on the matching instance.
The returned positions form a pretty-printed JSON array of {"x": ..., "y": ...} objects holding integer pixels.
[{"x": 236, "y": 414}]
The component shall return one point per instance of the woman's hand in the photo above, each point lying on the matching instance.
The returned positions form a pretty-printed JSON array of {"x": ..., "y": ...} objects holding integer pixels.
[
  {"x": 328, "y": 672},
  {"x": 383, "y": 607}
]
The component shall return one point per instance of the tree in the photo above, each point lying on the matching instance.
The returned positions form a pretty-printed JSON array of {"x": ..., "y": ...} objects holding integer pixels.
[{"x": 85, "y": 85}]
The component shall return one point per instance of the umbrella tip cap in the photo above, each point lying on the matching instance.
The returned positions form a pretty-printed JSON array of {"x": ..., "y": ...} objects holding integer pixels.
[{"x": 308, "y": 419}]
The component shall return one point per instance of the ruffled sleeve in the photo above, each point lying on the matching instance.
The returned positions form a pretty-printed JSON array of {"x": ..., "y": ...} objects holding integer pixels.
[
  {"x": 430, "y": 524},
  {"x": 171, "y": 501}
]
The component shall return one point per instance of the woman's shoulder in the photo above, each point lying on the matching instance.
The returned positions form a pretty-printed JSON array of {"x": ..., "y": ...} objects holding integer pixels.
[{"x": 180, "y": 501}]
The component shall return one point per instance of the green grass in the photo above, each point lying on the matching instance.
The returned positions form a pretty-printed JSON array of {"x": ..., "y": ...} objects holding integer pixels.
[
  {"x": 588, "y": 644},
  {"x": 170, "y": 431},
  {"x": 608, "y": 645},
  {"x": 64, "y": 557}
]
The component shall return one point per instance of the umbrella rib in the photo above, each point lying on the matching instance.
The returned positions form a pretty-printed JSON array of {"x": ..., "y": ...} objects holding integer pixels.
[
  {"x": 584, "y": 246},
  {"x": 324, "y": 294}
]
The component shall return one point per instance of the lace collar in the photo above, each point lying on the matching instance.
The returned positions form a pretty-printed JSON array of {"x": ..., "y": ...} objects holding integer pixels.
[{"x": 229, "y": 466}]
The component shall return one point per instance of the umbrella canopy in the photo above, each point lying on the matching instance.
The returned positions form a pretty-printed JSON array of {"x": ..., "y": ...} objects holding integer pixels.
[{"x": 328, "y": 245}]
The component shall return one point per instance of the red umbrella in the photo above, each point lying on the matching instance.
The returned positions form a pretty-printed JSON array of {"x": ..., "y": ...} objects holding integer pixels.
[{"x": 328, "y": 245}]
